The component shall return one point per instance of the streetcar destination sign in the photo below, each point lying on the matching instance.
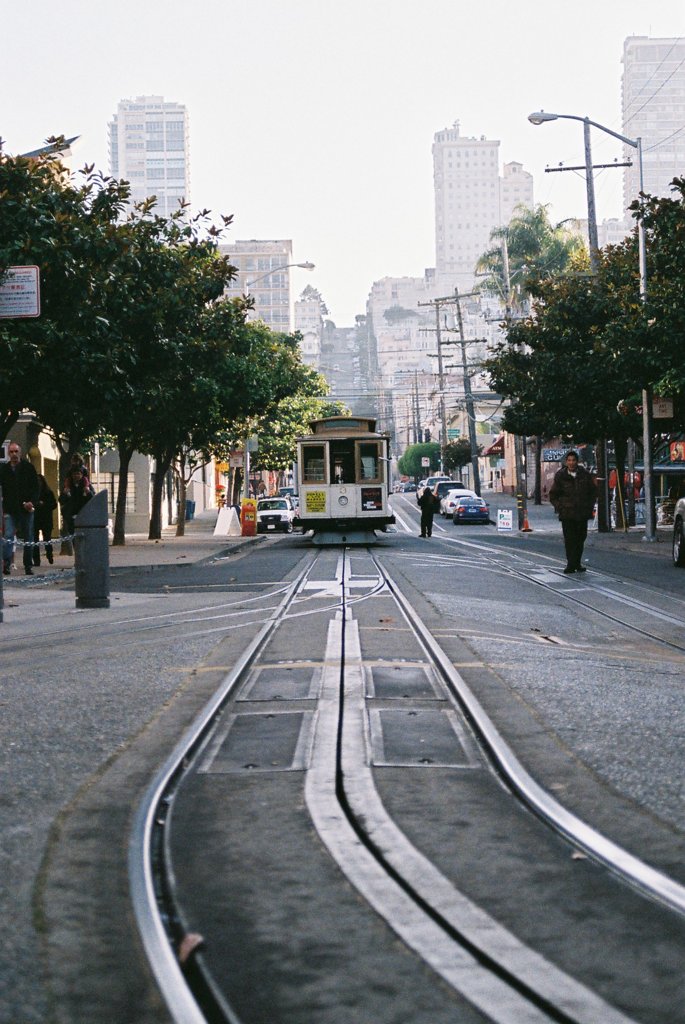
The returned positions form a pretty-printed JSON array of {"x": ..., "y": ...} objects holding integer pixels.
[{"x": 20, "y": 292}]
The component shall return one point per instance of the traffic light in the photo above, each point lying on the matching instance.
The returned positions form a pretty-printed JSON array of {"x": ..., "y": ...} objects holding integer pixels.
[{"x": 427, "y": 434}]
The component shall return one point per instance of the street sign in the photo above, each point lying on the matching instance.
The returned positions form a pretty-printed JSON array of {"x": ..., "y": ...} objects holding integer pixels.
[
  {"x": 453, "y": 433},
  {"x": 425, "y": 461},
  {"x": 505, "y": 520},
  {"x": 20, "y": 292}
]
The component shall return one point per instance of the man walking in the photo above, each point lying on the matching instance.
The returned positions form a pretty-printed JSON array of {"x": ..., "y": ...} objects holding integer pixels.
[
  {"x": 573, "y": 495},
  {"x": 20, "y": 490}
]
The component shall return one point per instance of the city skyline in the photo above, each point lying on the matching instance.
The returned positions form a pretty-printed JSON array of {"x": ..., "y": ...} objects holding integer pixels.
[{"x": 326, "y": 139}]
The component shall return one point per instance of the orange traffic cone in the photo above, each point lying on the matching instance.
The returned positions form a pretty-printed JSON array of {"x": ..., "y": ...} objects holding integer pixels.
[{"x": 526, "y": 528}]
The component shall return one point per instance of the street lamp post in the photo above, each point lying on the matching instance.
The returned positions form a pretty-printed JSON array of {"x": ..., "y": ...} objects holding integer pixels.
[{"x": 539, "y": 117}]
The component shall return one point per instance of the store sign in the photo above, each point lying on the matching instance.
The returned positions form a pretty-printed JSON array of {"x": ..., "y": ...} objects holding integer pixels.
[{"x": 554, "y": 454}]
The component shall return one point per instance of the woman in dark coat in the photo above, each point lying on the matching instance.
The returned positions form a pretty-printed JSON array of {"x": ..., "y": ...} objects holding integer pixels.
[
  {"x": 573, "y": 495},
  {"x": 77, "y": 491},
  {"x": 42, "y": 520}
]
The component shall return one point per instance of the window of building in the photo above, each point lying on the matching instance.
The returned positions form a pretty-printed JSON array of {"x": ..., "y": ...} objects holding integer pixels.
[{"x": 111, "y": 482}]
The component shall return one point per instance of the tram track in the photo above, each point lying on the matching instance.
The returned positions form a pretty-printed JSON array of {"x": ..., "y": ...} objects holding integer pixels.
[{"x": 508, "y": 982}]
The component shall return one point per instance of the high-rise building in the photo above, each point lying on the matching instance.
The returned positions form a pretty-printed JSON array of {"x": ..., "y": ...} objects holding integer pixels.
[
  {"x": 149, "y": 147},
  {"x": 264, "y": 275},
  {"x": 470, "y": 200},
  {"x": 654, "y": 111}
]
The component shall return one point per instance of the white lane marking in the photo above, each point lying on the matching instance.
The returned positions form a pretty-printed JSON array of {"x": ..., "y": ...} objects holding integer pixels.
[{"x": 498, "y": 1001}]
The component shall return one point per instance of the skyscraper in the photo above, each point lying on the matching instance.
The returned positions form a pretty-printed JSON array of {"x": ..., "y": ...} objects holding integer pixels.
[
  {"x": 149, "y": 147},
  {"x": 470, "y": 200},
  {"x": 654, "y": 110}
]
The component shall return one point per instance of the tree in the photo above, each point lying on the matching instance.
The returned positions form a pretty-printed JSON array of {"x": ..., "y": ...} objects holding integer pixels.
[
  {"x": 410, "y": 463},
  {"x": 60, "y": 364},
  {"x": 457, "y": 454}
]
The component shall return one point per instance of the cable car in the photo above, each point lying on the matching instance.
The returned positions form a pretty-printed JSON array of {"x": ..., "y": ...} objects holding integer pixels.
[{"x": 342, "y": 474}]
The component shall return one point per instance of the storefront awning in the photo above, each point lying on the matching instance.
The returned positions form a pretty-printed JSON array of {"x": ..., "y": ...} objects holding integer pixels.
[{"x": 497, "y": 446}]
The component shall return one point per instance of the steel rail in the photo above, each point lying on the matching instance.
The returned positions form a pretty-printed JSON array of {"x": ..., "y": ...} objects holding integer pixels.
[
  {"x": 625, "y": 865},
  {"x": 163, "y": 961},
  {"x": 478, "y": 957}
]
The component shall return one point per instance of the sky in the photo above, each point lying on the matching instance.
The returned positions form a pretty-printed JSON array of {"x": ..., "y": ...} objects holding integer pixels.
[{"x": 313, "y": 120}]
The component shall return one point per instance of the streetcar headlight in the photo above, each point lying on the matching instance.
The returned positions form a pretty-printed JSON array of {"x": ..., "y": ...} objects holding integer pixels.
[{"x": 343, "y": 499}]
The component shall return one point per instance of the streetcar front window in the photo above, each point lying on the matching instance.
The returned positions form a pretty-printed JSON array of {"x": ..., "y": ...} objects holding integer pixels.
[
  {"x": 313, "y": 464},
  {"x": 369, "y": 462}
]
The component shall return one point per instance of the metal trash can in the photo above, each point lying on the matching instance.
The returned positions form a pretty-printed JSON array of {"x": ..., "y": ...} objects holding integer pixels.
[
  {"x": 190, "y": 509},
  {"x": 91, "y": 554}
]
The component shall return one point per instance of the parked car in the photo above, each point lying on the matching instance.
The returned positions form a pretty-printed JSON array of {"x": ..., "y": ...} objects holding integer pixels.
[
  {"x": 443, "y": 487},
  {"x": 449, "y": 500},
  {"x": 431, "y": 481},
  {"x": 409, "y": 487},
  {"x": 275, "y": 514},
  {"x": 471, "y": 509},
  {"x": 679, "y": 533}
]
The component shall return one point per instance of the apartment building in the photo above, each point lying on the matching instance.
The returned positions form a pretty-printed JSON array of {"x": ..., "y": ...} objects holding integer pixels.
[
  {"x": 653, "y": 92},
  {"x": 264, "y": 275},
  {"x": 148, "y": 143}
]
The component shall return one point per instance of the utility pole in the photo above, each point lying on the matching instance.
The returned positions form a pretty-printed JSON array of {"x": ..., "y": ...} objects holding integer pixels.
[
  {"x": 416, "y": 409},
  {"x": 519, "y": 440},
  {"x": 468, "y": 397},
  {"x": 441, "y": 376}
]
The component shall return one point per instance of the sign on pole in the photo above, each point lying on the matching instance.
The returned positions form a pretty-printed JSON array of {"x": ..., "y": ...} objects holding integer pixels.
[
  {"x": 425, "y": 461},
  {"x": 20, "y": 292}
]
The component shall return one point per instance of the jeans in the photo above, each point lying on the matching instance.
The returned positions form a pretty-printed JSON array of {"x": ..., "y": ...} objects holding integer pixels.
[
  {"x": 575, "y": 532},
  {"x": 18, "y": 524}
]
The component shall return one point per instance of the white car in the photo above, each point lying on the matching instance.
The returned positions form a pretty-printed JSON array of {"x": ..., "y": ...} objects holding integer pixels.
[
  {"x": 274, "y": 514},
  {"x": 449, "y": 502}
]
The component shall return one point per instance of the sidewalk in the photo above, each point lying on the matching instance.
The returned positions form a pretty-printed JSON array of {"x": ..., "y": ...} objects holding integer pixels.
[
  {"x": 543, "y": 519},
  {"x": 138, "y": 552}
]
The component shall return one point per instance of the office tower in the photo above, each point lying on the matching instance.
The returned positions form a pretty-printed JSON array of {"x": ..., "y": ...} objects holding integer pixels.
[
  {"x": 264, "y": 274},
  {"x": 149, "y": 147},
  {"x": 653, "y": 110},
  {"x": 470, "y": 200}
]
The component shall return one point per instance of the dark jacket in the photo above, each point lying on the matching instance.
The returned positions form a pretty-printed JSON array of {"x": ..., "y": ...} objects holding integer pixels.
[
  {"x": 427, "y": 501},
  {"x": 573, "y": 497},
  {"x": 18, "y": 485},
  {"x": 74, "y": 497},
  {"x": 46, "y": 504}
]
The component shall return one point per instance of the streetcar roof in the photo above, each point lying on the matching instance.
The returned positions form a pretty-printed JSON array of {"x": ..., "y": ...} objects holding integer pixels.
[{"x": 342, "y": 426}]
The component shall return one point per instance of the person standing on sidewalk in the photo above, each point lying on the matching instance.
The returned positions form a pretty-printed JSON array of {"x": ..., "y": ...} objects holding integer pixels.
[
  {"x": 77, "y": 491},
  {"x": 426, "y": 503},
  {"x": 19, "y": 482},
  {"x": 573, "y": 495}
]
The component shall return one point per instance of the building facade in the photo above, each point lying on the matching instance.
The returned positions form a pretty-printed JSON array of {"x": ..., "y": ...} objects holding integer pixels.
[
  {"x": 148, "y": 142},
  {"x": 264, "y": 275},
  {"x": 471, "y": 198},
  {"x": 653, "y": 90},
  {"x": 309, "y": 313}
]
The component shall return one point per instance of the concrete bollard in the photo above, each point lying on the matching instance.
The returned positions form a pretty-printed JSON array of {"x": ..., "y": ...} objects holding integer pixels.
[{"x": 91, "y": 554}]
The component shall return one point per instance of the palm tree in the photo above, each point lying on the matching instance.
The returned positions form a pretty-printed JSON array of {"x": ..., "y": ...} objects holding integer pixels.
[{"x": 529, "y": 248}]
